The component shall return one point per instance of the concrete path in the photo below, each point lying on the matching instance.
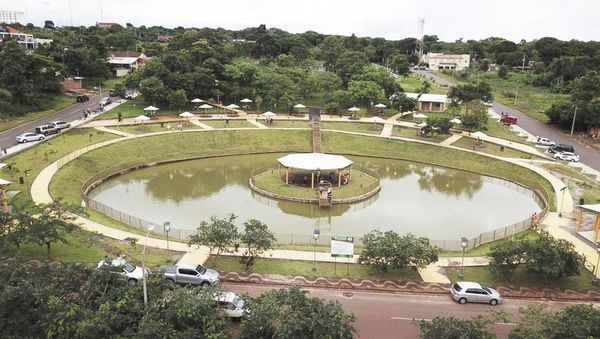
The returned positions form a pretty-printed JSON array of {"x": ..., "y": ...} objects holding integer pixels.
[
  {"x": 387, "y": 130},
  {"x": 452, "y": 139},
  {"x": 114, "y": 131},
  {"x": 198, "y": 123},
  {"x": 257, "y": 124}
]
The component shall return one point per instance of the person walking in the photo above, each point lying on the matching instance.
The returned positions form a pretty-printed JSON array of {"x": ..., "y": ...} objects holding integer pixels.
[{"x": 534, "y": 220}]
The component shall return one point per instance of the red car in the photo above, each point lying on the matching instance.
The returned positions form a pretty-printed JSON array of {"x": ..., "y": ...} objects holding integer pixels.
[{"x": 508, "y": 119}]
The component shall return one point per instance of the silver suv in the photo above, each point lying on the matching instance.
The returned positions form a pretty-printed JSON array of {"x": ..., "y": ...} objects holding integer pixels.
[{"x": 465, "y": 291}]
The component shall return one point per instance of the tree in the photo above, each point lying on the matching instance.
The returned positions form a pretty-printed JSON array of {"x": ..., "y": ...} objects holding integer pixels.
[
  {"x": 152, "y": 89},
  {"x": 403, "y": 103},
  {"x": 48, "y": 24},
  {"x": 217, "y": 234},
  {"x": 350, "y": 63},
  {"x": 503, "y": 72},
  {"x": 425, "y": 87},
  {"x": 553, "y": 258},
  {"x": 466, "y": 93},
  {"x": 52, "y": 223},
  {"x": 363, "y": 93},
  {"x": 506, "y": 256},
  {"x": 291, "y": 313},
  {"x": 388, "y": 250},
  {"x": 479, "y": 327},
  {"x": 573, "y": 321},
  {"x": 257, "y": 239},
  {"x": 475, "y": 117},
  {"x": 177, "y": 98},
  {"x": 328, "y": 83},
  {"x": 442, "y": 123}
]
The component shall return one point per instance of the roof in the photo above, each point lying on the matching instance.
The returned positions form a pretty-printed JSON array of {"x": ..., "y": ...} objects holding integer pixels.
[
  {"x": 122, "y": 61},
  {"x": 13, "y": 30},
  {"x": 187, "y": 266},
  {"x": 592, "y": 208},
  {"x": 426, "y": 97},
  {"x": 315, "y": 161},
  {"x": 123, "y": 54},
  {"x": 448, "y": 56},
  {"x": 412, "y": 95},
  {"x": 468, "y": 284}
]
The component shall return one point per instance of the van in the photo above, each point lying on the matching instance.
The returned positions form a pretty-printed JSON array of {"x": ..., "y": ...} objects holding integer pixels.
[
  {"x": 561, "y": 148},
  {"x": 47, "y": 129}
]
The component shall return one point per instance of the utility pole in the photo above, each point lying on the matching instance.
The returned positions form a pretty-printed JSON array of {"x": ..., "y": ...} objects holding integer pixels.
[
  {"x": 573, "y": 124},
  {"x": 516, "y": 89}
]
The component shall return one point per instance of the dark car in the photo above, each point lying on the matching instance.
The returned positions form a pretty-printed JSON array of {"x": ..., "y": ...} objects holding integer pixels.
[
  {"x": 82, "y": 98},
  {"x": 560, "y": 148},
  {"x": 112, "y": 93}
]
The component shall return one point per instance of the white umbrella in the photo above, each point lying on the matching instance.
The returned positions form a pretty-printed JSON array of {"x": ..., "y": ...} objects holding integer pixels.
[
  {"x": 4, "y": 182},
  {"x": 422, "y": 124},
  {"x": 196, "y": 100},
  {"x": 186, "y": 115},
  {"x": 206, "y": 106},
  {"x": 246, "y": 100},
  {"x": 141, "y": 118},
  {"x": 354, "y": 109},
  {"x": 478, "y": 135},
  {"x": 151, "y": 108},
  {"x": 456, "y": 121},
  {"x": 380, "y": 106},
  {"x": 268, "y": 114},
  {"x": 232, "y": 106},
  {"x": 377, "y": 120},
  {"x": 299, "y": 106},
  {"x": 419, "y": 116}
]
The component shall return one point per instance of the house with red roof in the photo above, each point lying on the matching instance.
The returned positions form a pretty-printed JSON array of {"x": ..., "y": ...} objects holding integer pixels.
[{"x": 122, "y": 63}]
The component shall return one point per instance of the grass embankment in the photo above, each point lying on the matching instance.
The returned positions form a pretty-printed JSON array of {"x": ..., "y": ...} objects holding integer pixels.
[
  {"x": 581, "y": 185},
  {"x": 531, "y": 100},
  {"x": 228, "y": 123},
  {"x": 483, "y": 250},
  {"x": 414, "y": 133},
  {"x": 58, "y": 102},
  {"x": 491, "y": 148},
  {"x": 360, "y": 127},
  {"x": 287, "y": 124},
  {"x": 29, "y": 163},
  {"x": 324, "y": 269},
  {"x": 413, "y": 82},
  {"x": 154, "y": 127}
]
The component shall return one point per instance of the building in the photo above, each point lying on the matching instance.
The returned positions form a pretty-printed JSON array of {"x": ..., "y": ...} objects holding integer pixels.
[
  {"x": 163, "y": 38},
  {"x": 430, "y": 102},
  {"x": 106, "y": 24},
  {"x": 441, "y": 61},
  {"x": 26, "y": 41},
  {"x": 125, "y": 62}
]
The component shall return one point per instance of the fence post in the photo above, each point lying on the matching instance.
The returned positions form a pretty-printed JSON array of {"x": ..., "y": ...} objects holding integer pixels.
[{"x": 494, "y": 235}]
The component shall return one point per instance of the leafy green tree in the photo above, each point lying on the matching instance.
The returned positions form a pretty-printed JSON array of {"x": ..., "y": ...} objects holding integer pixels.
[
  {"x": 177, "y": 98},
  {"x": 350, "y": 63},
  {"x": 365, "y": 92},
  {"x": 380, "y": 76},
  {"x": 52, "y": 223},
  {"x": 425, "y": 87},
  {"x": 339, "y": 102},
  {"x": 218, "y": 234},
  {"x": 443, "y": 124},
  {"x": 573, "y": 321},
  {"x": 256, "y": 239},
  {"x": 400, "y": 64},
  {"x": 468, "y": 92},
  {"x": 403, "y": 103},
  {"x": 13, "y": 76},
  {"x": 384, "y": 251},
  {"x": 328, "y": 82},
  {"x": 479, "y": 327},
  {"x": 553, "y": 258},
  {"x": 475, "y": 117},
  {"x": 291, "y": 313},
  {"x": 153, "y": 90},
  {"x": 506, "y": 256},
  {"x": 503, "y": 72}
]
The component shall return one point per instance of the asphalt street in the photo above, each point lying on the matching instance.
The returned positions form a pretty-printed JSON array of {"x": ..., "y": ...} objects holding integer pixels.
[
  {"x": 392, "y": 315},
  {"x": 588, "y": 155},
  {"x": 71, "y": 113}
]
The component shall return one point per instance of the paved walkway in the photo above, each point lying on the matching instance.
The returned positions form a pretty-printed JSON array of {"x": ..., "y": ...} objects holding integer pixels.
[
  {"x": 387, "y": 130},
  {"x": 201, "y": 125},
  {"x": 257, "y": 124},
  {"x": 114, "y": 131},
  {"x": 452, "y": 139}
]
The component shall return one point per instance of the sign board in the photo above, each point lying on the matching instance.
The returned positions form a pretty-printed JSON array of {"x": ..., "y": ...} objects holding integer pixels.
[{"x": 342, "y": 247}]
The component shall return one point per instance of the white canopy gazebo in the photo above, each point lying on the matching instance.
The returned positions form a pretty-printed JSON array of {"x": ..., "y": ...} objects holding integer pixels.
[
  {"x": 591, "y": 208},
  {"x": 246, "y": 101},
  {"x": 232, "y": 106},
  {"x": 313, "y": 162}
]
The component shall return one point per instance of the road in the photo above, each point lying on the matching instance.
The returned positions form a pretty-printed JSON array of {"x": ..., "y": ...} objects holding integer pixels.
[
  {"x": 588, "y": 155},
  {"x": 8, "y": 138},
  {"x": 390, "y": 315}
]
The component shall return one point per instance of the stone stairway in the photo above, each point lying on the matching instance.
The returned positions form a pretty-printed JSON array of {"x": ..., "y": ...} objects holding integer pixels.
[{"x": 316, "y": 134}]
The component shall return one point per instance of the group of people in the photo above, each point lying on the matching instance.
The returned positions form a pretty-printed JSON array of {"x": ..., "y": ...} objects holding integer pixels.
[{"x": 269, "y": 120}]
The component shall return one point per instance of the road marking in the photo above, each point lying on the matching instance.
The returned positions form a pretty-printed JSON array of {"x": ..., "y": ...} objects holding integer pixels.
[{"x": 425, "y": 319}]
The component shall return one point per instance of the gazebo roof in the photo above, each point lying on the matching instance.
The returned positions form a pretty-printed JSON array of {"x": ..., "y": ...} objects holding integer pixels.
[
  {"x": 314, "y": 161},
  {"x": 591, "y": 208}
]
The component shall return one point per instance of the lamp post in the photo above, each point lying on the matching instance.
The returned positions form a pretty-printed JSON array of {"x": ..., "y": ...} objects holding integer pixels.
[
  {"x": 464, "y": 242},
  {"x": 150, "y": 229},
  {"x": 316, "y": 234},
  {"x": 573, "y": 124},
  {"x": 595, "y": 276},
  {"x": 562, "y": 200},
  {"x": 167, "y": 228}
]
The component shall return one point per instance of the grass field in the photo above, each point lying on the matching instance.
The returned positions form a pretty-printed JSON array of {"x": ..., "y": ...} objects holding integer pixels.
[
  {"x": 411, "y": 133},
  {"x": 287, "y": 124},
  {"x": 228, "y": 123},
  {"x": 304, "y": 268},
  {"x": 153, "y": 127},
  {"x": 133, "y": 108},
  {"x": 413, "y": 82},
  {"x": 59, "y": 102},
  {"x": 361, "y": 127},
  {"x": 491, "y": 148},
  {"x": 484, "y": 249}
]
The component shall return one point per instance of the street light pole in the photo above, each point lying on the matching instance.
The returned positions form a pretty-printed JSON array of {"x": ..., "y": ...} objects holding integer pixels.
[
  {"x": 316, "y": 234},
  {"x": 150, "y": 229},
  {"x": 562, "y": 200},
  {"x": 573, "y": 124},
  {"x": 167, "y": 228},
  {"x": 464, "y": 242}
]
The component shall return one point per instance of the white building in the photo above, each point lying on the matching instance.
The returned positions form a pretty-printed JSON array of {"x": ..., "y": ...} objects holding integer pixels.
[
  {"x": 26, "y": 41},
  {"x": 430, "y": 102},
  {"x": 441, "y": 61}
]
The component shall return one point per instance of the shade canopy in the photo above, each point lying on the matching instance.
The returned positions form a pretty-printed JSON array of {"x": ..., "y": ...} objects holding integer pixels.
[
  {"x": 380, "y": 105},
  {"x": 232, "y": 106},
  {"x": 196, "y": 100},
  {"x": 299, "y": 106},
  {"x": 2, "y": 165},
  {"x": 478, "y": 134},
  {"x": 186, "y": 115},
  {"x": 314, "y": 161},
  {"x": 456, "y": 121},
  {"x": 151, "y": 108},
  {"x": 269, "y": 114},
  {"x": 206, "y": 106},
  {"x": 141, "y": 118},
  {"x": 354, "y": 109},
  {"x": 4, "y": 182},
  {"x": 420, "y": 116},
  {"x": 592, "y": 208},
  {"x": 246, "y": 100},
  {"x": 422, "y": 124},
  {"x": 377, "y": 120}
]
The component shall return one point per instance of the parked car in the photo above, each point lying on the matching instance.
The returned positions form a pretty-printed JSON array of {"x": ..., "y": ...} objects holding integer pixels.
[
  {"x": 508, "y": 120},
  {"x": 112, "y": 93},
  {"x": 129, "y": 270},
  {"x": 465, "y": 291},
  {"x": 190, "y": 274},
  {"x": 60, "y": 124},
  {"x": 128, "y": 96},
  {"x": 27, "y": 137},
  {"x": 47, "y": 129},
  {"x": 488, "y": 103},
  {"x": 545, "y": 142},
  {"x": 561, "y": 148},
  {"x": 105, "y": 101},
  {"x": 82, "y": 98},
  {"x": 567, "y": 156},
  {"x": 232, "y": 304}
]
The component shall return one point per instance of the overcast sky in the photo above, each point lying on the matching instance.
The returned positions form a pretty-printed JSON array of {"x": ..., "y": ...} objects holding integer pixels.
[{"x": 391, "y": 19}]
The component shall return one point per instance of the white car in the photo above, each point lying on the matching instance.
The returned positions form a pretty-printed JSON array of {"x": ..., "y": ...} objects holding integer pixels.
[
  {"x": 567, "y": 156},
  {"x": 105, "y": 101},
  {"x": 232, "y": 304},
  {"x": 465, "y": 291},
  {"x": 488, "y": 103},
  {"x": 132, "y": 273},
  {"x": 60, "y": 124},
  {"x": 27, "y": 137},
  {"x": 545, "y": 142}
]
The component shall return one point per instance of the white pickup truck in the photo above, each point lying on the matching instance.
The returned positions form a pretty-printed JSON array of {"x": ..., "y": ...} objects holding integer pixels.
[{"x": 190, "y": 274}]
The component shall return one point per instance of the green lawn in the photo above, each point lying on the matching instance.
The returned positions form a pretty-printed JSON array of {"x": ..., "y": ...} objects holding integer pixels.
[
  {"x": 360, "y": 127},
  {"x": 586, "y": 183},
  {"x": 228, "y": 123},
  {"x": 412, "y": 133},
  {"x": 531, "y": 100},
  {"x": 153, "y": 127},
  {"x": 59, "y": 102},
  {"x": 483, "y": 250},
  {"x": 287, "y": 124},
  {"x": 133, "y": 108},
  {"x": 413, "y": 82},
  {"x": 491, "y": 148},
  {"x": 304, "y": 268},
  {"x": 522, "y": 278}
]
